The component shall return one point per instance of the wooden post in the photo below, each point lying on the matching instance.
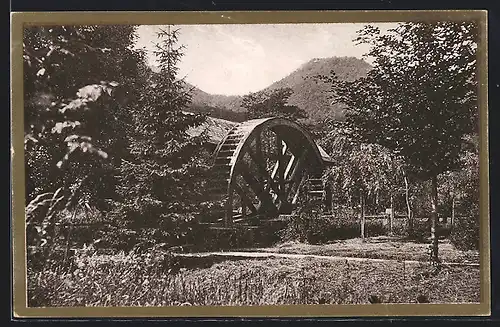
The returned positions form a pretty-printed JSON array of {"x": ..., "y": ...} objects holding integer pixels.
[
  {"x": 452, "y": 211},
  {"x": 434, "y": 219},
  {"x": 409, "y": 218},
  {"x": 328, "y": 198},
  {"x": 228, "y": 218},
  {"x": 391, "y": 217},
  {"x": 362, "y": 215}
]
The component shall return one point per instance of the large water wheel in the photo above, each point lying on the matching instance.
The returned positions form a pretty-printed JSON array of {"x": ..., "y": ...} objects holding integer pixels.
[{"x": 260, "y": 166}]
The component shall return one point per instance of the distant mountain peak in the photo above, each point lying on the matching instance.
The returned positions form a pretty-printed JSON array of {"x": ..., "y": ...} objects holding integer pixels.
[{"x": 309, "y": 93}]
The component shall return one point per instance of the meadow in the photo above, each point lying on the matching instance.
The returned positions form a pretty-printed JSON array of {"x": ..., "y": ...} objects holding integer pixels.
[{"x": 159, "y": 278}]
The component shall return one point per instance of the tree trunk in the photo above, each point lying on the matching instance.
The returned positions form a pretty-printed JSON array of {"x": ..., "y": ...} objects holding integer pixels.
[
  {"x": 362, "y": 215},
  {"x": 409, "y": 218},
  {"x": 391, "y": 217},
  {"x": 434, "y": 219},
  {"x": 328, "y": 198}
]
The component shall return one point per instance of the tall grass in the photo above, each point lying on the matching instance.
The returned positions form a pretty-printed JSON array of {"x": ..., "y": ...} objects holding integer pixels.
[{"x": 158, "y": 279}]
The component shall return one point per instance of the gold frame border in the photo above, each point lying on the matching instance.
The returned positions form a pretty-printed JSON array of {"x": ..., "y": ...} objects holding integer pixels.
[{"x": 20, "y": 19}]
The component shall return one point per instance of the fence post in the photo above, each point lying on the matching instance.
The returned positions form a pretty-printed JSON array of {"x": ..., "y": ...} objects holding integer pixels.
[
  {"x": 452, "y": 212},
  {"x": 362, "y": 215},
  {"x": 391, "y": 216}
]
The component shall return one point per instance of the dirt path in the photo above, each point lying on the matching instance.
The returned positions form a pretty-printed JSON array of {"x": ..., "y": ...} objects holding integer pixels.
[{"x": 249, "y": 255}]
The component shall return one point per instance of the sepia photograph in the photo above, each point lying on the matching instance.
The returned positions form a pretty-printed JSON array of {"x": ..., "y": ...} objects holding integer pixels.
[{"x": 310, "y": 164}]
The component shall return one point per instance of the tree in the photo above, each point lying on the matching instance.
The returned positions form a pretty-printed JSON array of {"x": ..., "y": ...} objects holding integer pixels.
[
  {"x": 361, "y": 169},
  {"x": 272, "y": 104},
  {"x": 420, "y": 98},
  {"x": 78, "y": 84},
  {"x": 162, "y": 176},
  {"x": 459, "y": 191}
]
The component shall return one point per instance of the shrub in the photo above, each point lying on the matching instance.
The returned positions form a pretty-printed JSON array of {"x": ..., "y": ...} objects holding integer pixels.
[
  {"x": 465, "y": 233},
  {"x": 420, "y": 230},
  {"x": 116, "y": 238},
  {"x": 315, "y": 228},
  {"x": 323, "y": 229}
]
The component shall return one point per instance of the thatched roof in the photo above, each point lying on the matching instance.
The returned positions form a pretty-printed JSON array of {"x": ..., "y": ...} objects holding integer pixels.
[{"x": 214, "y": 128}]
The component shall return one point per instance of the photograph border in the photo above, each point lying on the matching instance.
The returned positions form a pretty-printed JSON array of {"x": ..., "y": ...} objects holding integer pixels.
[{"x": 18, "y": 234}]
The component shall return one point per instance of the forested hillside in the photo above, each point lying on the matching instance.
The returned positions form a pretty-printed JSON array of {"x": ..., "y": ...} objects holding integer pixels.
[{"x": 309, "y": 93}]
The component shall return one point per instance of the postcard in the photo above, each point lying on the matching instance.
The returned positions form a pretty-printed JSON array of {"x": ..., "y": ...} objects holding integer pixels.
[{"x": 250, "y": 164}]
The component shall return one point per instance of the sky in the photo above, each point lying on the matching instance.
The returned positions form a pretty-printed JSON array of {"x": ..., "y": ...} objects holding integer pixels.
[{"x": 235, "y": 59}]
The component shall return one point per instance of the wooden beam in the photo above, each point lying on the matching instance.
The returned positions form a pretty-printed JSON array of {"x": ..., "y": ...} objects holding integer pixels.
[
  {"x": 281, "y": 147},
  {"x": 295, "y": 175},
  {"x": 259, "y": 190},
  {"x": 229, "y": 210},
  {"x": 246, "y": 202},
  {"x": 297, "y": 191},
  {"x": 289, "y": 166},
  {"x": 279, "y": 169},
  {"x": 262, "y": 169},
  {"x": 278, "y": 189}
]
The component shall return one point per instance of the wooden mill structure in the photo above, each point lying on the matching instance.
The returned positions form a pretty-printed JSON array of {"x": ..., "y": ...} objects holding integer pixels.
[{"x": 259, "y": 168}]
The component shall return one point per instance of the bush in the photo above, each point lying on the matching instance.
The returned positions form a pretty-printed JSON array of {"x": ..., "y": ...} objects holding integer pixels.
[
  {"x": 421, "y": 230},
  {"x": 313, "y": 227},
  {"x": 96, "y": 276},
  {"x": 465, "y": 233}
]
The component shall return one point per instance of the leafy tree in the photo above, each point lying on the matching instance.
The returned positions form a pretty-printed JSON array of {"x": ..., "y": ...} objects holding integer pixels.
[
  {"x": 420, "y": 98},
  {"x": 272, "y": 104},
  {"x": 361, "y": 170},
  {"x": 78, "y": 83},
  {"x": 460, "y": 198},
  {"x": 161, "y": 178}
]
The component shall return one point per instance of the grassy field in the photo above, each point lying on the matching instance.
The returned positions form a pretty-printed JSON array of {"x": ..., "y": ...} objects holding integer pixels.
[
  {"x": 381, "y": 247},
  {"x": 158, "y": 279}
]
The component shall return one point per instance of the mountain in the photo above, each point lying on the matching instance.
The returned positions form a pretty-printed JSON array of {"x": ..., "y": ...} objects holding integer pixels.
[
  {"x": 309, "y": 93},
  {"x": 232, "y": 102},
  {"x": 203, "y": 98},
  {"x": 216, "y": 105}
]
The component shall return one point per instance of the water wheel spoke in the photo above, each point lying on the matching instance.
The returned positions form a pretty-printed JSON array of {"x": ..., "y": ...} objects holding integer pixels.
[
  {"x": 247, "y": 202},
  {"x": 278, "y": 174},
  {"x": 297, "y": 191},
  {"x": 256, "y": 186},
  {"x": 259, "y": 162},
  {"x": 294, "y": 178}
]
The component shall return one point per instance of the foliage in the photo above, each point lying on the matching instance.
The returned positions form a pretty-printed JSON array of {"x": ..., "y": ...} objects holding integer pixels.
[
  {"x": 156, "y": 278},
  {"x": 307, "y": 224},
  {"x": 465, "y": 234},
  {"x": 48, "y": 240},
  {"x": 366, "y": 168},
  {"x": 420, "y": 98},
  {"x": 40, "y": 225},
  {"x": 162, "y": 180},
  {"x": 218, "y": 112},
  {"x": 360, "y": 169},
  {"x": 272, "y": 104},
  {"x": 462, "y": 185},
  {"x": 96, "y": 64}
]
